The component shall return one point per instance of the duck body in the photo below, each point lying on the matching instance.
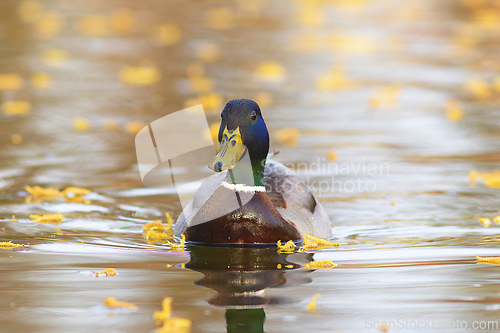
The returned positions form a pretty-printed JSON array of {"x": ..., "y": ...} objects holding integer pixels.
[{"x": 251, "y": 199}]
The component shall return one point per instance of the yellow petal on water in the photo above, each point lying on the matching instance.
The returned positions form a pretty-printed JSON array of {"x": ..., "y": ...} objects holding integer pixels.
[
  {"x": 496, "y": 219},
  {"x": 110, "y": 125},
  {"x": 133, "y": 127},
  {"x": 93, "y": 25},
  {"x": 9, "y": 245},
  {"x": 220, "y": 18},
  {"x": 122, "y": 20},
  {"x": 393, "y": 202},
  {"x": 489, "y": 179},
  {"x": 485, "y": 222},
  {"x": 320, "y": 264},
  {"x": 287, "y": 247},
  {"x": 41, "y": 80},
  {"x": 208, "y": 52},
  {"x": 75, "y": 191},
  {"x": 176, "y": 325},
  {"x": 488, "y": 260},
  {"x": 178, "y": 247},
  {"x": 315, "y": 243},
  {"x": 264, "y": 99},
  {"x": 108, "y": 272},
  {"x": 29, "y": 11},
  {"x": 165, "y": 313},
  {"x": 170, "y": 221},
  {"x": 47, "y": 218},
  {"x": 82, "y": 124},
  {"x": 11, "y": 81},
  {"x": 111, "y": 302},
  {"x": 167, "y": 34},
  {"x": 141, "y": 75},
  {"x": 45, "y": 192},
  {"x": 288, "y": 136},
  {"x": 311, "y": 307},
  {"x": 331, "y": 155},
  {"x": 55, "y": 57},
  {"x": 48, "y": 25},
  {"x": 170, "y": 324},
  {"x": 16, "y": 139},
  {"x": 478, "y": 87},
  {"x": 454, "y": 112},
  {"x": 16, "y": 107},
  {"x": 271, "y": 70}
]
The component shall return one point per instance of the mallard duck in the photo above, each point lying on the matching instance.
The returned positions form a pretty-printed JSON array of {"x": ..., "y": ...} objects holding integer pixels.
[{"x": 250, "y": 199}]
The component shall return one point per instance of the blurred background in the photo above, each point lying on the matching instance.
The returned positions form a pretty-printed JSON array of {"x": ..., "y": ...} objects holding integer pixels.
[{"x": 388, "y": 109}]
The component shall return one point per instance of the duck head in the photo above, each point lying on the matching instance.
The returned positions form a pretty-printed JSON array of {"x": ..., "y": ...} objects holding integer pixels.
[{"x": 242, "y": 131}]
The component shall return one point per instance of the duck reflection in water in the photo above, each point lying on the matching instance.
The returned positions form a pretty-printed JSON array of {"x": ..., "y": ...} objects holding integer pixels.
[{"x": 240, "y": 277}]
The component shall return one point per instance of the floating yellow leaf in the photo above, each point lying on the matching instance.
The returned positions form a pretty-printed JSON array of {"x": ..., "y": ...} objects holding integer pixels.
[
  {"x": 11, "y": 81},
  {"x": 30, "y": 11},
  {"x": 9, "y": 245},
  {"x": 45, "y": 192},
  {"x": 178, "y": 247},
  {"x": 16, "y": 107},
  {"x": 485, "y": 222},
  {"x": 111, "y": 302},
  {"x": 47, "y": 218},
  {"x": 289, "y": 136},
  {"x": 48, "y": 25},
  {"x": 478, "y": 87},
  {"x": 134, "y": 127},
  {"x": 320, "y": 264},
  {"x": 16, "y": 139},
  {"x": 168, "y": 34},
  {"x": 287, "y": 247},
  {"x": 271, "y": 70},
  {"x": 208, "y": 52},
  {"x": 314, "y": 243},
  {"x": 454, "y": 112},
  {"x": 489, "y": 179},
  {"x": 54, "y": 57},
  {"x": 109, "y": 272},
  {"x": 82, "y": 124},
  {"x": 496, "y": 219},
  {"x": 488, "y": 260},
  {"x": 142, "y": 75},
  {"x": 41, "y": 80},
  {"x": 75, "y": 191},
  {"x": 331, "y": 155},
  {"x": 220, "y": 18},
  {"x": 170, "y": 324},
  {"x": 122, "y": 20},
  {"x": 311, "y": 307},
  {"x": 93, "y": 25}
]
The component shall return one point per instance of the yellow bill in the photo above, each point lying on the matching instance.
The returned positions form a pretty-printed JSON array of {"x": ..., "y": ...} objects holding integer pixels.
[{"x": 230, "y": 152}]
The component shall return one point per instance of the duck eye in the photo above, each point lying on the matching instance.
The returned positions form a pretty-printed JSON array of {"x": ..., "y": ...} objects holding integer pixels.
[{"x": 253, "y": 116}]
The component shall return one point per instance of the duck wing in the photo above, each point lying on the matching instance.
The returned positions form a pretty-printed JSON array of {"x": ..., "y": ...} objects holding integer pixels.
[{"x": 294, "y": 200}]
